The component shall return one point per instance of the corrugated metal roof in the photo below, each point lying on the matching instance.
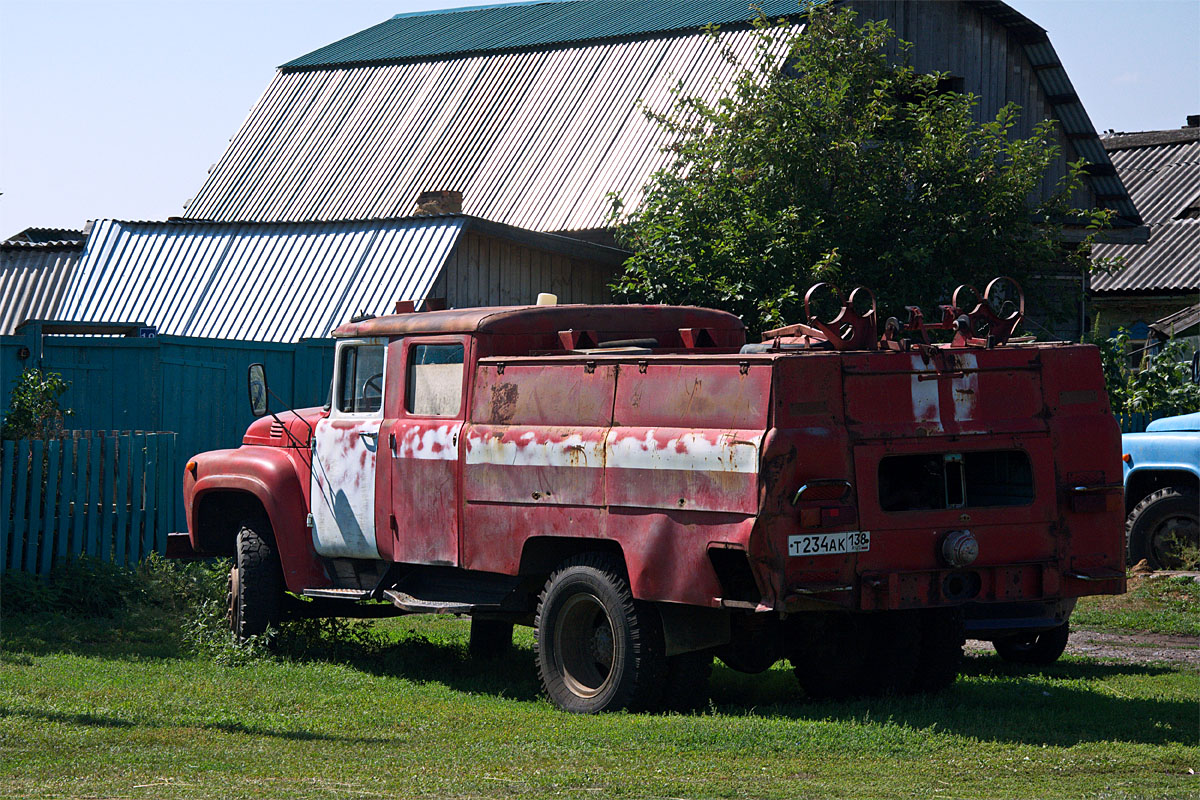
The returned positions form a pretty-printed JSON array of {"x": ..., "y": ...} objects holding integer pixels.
[
  {"x": 536, "y": 139},
  {"x": 33, "y": 277},
  {"x": 1170, "y": 262},
  {"x": 47, "y": 236},
  {"x": 255, "y": 281},
  {"x": 1164, "y": 180},
  {"x": 523, "y": 25}
]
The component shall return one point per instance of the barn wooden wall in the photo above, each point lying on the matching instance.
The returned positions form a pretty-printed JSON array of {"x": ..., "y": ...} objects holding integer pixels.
[
  {"x": 957, "y": 38},
  {"x": 488, "y": 271}
]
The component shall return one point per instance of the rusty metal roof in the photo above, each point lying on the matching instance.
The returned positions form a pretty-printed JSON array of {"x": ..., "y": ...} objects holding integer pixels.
[
  {"x": 1162, "y": 171},
  {"x": 531, "y": 319}
]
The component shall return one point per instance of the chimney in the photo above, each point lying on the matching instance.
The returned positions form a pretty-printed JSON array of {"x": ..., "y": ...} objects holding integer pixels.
[
  {"x": 1193, "y": 121},
  {"x": 443, "y": 202}
]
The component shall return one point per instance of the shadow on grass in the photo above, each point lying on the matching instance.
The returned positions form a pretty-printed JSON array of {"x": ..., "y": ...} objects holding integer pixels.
[
  {"x": 1062, "y": 704},
  {"x": 123, "y": 637},
  {"x": 99, "y": 721},
  {"x": 993, "y": 701}
]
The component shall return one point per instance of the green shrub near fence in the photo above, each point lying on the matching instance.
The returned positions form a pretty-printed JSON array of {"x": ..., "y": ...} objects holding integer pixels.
[{"x": 108, "y": 495}]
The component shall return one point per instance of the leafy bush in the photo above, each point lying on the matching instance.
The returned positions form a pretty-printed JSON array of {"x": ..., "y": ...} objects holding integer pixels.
[
  {"x": 33, "y": 408},
  {"x": 1162, "y": 387}
]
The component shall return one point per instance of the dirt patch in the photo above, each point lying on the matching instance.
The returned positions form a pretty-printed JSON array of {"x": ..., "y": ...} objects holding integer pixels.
[
  {"x": 1129, "y": 647},
  {"x": 1124, "y": 648},
  {"x": 1136, "y": 648}
]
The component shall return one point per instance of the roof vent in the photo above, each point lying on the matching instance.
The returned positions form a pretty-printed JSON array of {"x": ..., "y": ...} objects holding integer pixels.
[{"x": 431, "y": 204}]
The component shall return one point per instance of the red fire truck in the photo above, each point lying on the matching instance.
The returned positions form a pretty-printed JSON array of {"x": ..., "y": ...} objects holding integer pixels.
[{"x": 650, "y": 492}]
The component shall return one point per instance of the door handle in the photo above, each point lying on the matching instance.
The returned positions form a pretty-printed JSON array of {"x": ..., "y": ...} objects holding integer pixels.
[{"x": 372, "y": 435}]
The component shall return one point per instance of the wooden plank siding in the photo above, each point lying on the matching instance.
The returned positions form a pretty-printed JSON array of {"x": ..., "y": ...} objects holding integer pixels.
[
  {"x": 485, "y": 270},
  {"x": 116, "y": 487},
  {"x": 961, "y": 40}
]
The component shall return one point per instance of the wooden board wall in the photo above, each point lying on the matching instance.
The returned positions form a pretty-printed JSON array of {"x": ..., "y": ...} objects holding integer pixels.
[
  {"x": 489, "y": 271},
  {"x": 962, "y": 40}
]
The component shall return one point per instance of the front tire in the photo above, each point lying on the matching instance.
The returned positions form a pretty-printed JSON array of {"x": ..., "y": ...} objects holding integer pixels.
[
  {"x": 254, "y": 601},
  {"x": 1164, "y": 529},
  {"x": 1035, "y": 648},
  {"x": 597, "y": 648}
]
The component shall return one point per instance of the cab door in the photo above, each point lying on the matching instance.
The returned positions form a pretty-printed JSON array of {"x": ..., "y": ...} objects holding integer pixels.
[
  {"x": 345, "y": 447},
  {"x": 421, "y": 441}
]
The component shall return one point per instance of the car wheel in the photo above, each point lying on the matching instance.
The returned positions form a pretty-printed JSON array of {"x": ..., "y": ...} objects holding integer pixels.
[{"x": 1164, "y": 529}]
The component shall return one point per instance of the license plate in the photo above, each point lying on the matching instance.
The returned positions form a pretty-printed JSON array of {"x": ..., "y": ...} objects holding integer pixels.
[{"x": 829, "y": 544}]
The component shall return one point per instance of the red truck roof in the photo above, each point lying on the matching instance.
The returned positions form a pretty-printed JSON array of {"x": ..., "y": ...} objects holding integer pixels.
[{"x": 606, "y": 319}]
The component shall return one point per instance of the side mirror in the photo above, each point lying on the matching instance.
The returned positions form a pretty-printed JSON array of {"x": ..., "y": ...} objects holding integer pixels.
[{"x": 257, "y": 378}]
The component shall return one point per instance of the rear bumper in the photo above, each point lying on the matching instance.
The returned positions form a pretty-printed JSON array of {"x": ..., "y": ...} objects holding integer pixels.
[{"x": 992, "y": 621}]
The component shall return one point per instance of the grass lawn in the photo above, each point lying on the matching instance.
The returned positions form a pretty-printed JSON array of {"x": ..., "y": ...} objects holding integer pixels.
[
  {"x": 121, "y": 706},
  {"x": 1155, "y": 603}
]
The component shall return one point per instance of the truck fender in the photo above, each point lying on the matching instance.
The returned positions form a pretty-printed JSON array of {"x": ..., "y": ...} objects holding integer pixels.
[{"x": 234, "y": 484}]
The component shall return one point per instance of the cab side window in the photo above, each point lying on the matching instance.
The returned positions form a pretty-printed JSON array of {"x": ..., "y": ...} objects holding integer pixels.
[
  {"x": 360, "y": 389},
  {"x": 434, "y": 380}
]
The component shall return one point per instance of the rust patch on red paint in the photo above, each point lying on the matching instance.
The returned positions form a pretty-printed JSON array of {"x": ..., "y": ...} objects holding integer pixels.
[{"x": 504, "y": 403}]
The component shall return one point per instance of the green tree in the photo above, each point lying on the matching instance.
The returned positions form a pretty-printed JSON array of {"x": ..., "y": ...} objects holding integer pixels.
[{"x": 834, "y": 163}]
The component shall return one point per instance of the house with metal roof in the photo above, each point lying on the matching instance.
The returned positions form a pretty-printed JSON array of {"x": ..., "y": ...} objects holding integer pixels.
[
  {"x": 287, "y": 281},
  {"x": 535, "y": 112},
  {"x": 1158, "y": 291},
  {"x": 35, "y": 268}
]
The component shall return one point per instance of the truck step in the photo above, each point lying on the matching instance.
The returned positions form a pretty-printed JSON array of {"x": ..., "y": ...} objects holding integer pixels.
[
  {"x": 338, "y": 594},
  {"x": 416, "y": 605}
]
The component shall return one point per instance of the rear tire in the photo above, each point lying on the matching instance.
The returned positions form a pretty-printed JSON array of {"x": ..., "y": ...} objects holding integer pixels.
[
  {"x": 1035, "y": 648},
  {"x": 1164, "y": 529},
  {"x": 893, "y": 654},
  {"x": 942, "y": 639},
  {"x": 490, "y": 638},
  {"x": 686, "y": 686},
  {"x": 254, "y": 601},
  {"x": 597, "y": 648},
  {"x": 828, "y": 653}
]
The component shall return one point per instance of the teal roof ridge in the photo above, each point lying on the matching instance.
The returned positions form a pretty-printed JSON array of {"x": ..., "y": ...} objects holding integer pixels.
[{"x": 522, "y": 25}]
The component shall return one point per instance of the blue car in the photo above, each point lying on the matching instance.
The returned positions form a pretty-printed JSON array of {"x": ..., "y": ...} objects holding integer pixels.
[{"x": 1162, "y": 493}]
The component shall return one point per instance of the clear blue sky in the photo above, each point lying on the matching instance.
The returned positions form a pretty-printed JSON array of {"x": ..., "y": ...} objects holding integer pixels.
[{"x": 117, "y": 109}]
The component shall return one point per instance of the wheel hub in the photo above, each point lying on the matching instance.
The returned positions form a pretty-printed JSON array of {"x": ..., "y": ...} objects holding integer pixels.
[{"x": 583, "y": 637}]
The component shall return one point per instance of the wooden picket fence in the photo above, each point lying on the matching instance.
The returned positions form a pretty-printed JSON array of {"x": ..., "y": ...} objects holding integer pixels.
[{"x": 106, "y": 494}]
